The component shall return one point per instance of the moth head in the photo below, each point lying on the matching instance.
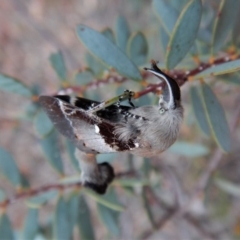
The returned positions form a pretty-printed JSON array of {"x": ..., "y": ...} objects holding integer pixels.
[{"x": 171, "y": 96}]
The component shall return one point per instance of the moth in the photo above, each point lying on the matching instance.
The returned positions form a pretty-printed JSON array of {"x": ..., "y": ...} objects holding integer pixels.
[{"x": 104, "y": 127}]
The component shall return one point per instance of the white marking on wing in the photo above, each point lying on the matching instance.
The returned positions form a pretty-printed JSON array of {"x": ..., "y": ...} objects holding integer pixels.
[{"x": 97, "y": 130}]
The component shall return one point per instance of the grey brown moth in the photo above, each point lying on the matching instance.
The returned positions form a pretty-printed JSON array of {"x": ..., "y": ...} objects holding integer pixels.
[{"x": 104, "y": 127}]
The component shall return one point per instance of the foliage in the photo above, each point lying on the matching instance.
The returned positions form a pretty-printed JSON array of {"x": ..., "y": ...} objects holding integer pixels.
[{"x": 192, "y": 34}]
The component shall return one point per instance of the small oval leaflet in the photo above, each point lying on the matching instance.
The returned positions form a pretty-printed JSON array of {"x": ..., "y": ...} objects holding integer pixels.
[
  {"x": 103, "y": 201},
  {"x": 84, "y": 220},
  {"x": 31, "y": 224},
  {"x": 228, "y": 11},
  {"x": 9, "y": 84},
  {"x": 166, "y": 13},
  {"x": 220, "y": 69},
  {"x": 40, "y": 199},
  {"x": 182, "y": 148},
  {"x": 122, "y": 32},
  {"x": 216, "y": 118},
  {"x": 199, "y": 110},
  {"x": 137, "y": 48},
  {"x": 58, "y": 63},
  {"x": 62, "y": 226},
  {"x": 104, "y": 49},
  {"x": 180, "y": 40},
  {"x": 9, "y": 168},
  {"x": 42, "y": 124},
  {"x": 51, "y": 149},
  {"x": 108, "y": 216},
  {"x": 6, "y": 231}
]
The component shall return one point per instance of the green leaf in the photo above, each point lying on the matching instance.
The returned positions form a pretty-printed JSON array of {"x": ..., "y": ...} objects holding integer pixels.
[
  {"x": 73, "y": 209},
  {"x": 109, "y": 53},
  {"x": 236, "y": 31},
  {"x": 62, "y": 227},
  {"x": 108, "y": 216},
  {"x": 2, "y": 195},
  {"x": 224, "y": 22},
  {"x": 108, "y": 33},
  {"x": 180, "y": 39},
  {"x": 166, "y": 13},
  {"x": 9, "y": 168},
  {"x": 178, "y": 5},
  {"x": 216, "y": 118},
  {"x": 164, "y": 39},
  {"x": 6, "y": 232},
  {"x": 199, "y": 110},
  {"x": 220, "y": 69},
  {"x": 50, "y": 146},
  {"x": 233, "y": 78},
  {"x": 11, "y": 85},
  {"x": 31, "y": 224},
  {"x": 42, "y": 198},
  {"x": 24, "y": 181},
  {"x": 187, "y": 149},
  {"x": 228, "y": 187},
  {"x": 146, "y": 167},
  {"x": 85, "y": 225},
  {"x": 95, "y": 65},
  {"x": 137, "y": 48},
  {"x": 71, "y": 152},
  {"x": 42, "y": 124},
  {"x": 100, "y": 199},
  {"x": 31, "y": 110},
  {"x": 147, "y": 208},
  {"x": 122, "y": 32},
  {"x": 57, "y": 62},
  {"x": 84, "y": 77},
  {"x": 110, "y": 219}
]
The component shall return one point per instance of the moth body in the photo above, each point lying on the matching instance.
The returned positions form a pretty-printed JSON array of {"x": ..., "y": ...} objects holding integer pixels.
[
  {"x": 104, "y": 127},
  {"x": 153, "y": 134}
]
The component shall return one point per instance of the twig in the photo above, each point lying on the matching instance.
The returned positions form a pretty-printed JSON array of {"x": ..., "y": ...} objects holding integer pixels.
[
  {"x": 198, "y": 226},
  {"x": 158, "y": 225},
  {"x": 33, "y": 192},
  {"x": 59, "y": 186},
  {"x": 180, "y": 76}
]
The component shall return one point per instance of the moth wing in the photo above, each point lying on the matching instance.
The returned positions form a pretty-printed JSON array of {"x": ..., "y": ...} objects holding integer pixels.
[{"x": 74, "y": 124}]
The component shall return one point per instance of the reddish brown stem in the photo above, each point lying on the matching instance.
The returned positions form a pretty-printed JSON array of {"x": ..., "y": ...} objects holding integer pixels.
[{"x": 59, "y": 186}]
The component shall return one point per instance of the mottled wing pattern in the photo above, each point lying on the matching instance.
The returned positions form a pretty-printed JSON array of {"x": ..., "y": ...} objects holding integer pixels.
[
  {"x": 110, "y": 113},
  {"x": 90, "y": 133}
]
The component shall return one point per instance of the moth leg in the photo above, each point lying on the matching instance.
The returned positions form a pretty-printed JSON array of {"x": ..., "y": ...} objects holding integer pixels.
[
  {"x": 116, "y": 100},
  {"x": 131, "y": 95},
  {"x": 93, "y": 175}
]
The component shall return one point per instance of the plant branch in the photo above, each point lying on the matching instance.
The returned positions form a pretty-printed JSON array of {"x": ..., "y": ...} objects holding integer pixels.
[
  {"x": 58, "y": 186},
  {"x": 181, "y": 76}
]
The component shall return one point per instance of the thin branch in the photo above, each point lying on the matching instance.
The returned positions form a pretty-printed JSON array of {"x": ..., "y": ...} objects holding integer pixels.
[
  {"x": 58, "y": 186},
  {"x": 160, "y": 224},
  {"x": 180, "y": 76},
  {"x": 198, "y": 226},
  {"x": 33, "y": 192}
]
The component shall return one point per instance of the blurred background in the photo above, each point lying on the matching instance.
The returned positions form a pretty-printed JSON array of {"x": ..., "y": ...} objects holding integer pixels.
[{"x": 30, "y": 31}]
